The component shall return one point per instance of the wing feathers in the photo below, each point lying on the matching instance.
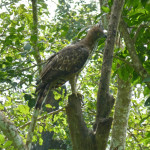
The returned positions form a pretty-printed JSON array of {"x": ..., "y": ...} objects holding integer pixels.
[
  {"x": 62, "y": 65},
  {"x": 69, "y": 60}
]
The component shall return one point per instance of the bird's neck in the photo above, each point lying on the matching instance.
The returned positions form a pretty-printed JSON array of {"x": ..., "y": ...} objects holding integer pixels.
[{"x": 89, "y": 42}]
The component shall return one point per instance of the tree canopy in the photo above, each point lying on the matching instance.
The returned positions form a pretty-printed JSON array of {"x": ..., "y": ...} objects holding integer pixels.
[{"x": 68, "y": 23}]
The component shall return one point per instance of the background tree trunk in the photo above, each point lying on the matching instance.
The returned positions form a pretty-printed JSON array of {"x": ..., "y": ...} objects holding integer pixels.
[{"x": 121, "y": 115}]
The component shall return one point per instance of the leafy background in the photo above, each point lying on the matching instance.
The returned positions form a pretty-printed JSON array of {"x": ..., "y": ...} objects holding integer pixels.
[{"x": 58, "y": 28}]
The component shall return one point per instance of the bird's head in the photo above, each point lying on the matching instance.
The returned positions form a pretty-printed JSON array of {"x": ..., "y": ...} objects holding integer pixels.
[{"x": 96, "y": 32}]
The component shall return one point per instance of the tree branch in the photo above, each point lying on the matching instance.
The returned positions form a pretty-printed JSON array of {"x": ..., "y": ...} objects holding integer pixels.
[
  {"x": 135, "y": 139},
  {"x": 132, "y": 51},
  {"x": 138, "y": 30},
  {"x": 35, "y": 34},
  {"x": 24, "y": 69},
  {"x": 11, "y": 132},
  {"x": 123, "y": 60},
  {"x": 105, "y": 101},
  {"x": 43, "y": 117},
  {"x": 37, "y": 57},
  {"x": 31, "y": 128}
]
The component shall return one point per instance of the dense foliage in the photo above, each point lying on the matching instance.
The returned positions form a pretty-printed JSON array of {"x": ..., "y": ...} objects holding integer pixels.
[{"x": 18, "y": 69}]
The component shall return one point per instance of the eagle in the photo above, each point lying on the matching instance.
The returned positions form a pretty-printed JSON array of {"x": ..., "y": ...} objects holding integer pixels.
[{"x": 66, "y": 64}]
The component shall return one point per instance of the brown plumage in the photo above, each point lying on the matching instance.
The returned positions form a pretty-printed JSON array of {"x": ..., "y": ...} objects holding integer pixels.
[{"x": 67, "y": 64}]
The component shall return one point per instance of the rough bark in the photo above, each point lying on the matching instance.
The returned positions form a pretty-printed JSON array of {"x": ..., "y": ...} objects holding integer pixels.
[
  {"x": 11, "y": 132},
  {"x": 81, "y": 137},
  {"x": 138, "y": 67},
  {"x": 105, "y": 101},
  {"x": 121, "y": 115}
]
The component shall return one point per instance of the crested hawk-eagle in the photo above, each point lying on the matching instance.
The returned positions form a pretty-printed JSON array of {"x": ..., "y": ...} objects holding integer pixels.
[{"x": 67, "y": 64}]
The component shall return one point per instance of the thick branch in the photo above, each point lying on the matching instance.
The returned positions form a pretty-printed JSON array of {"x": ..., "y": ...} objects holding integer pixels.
[
  {"x": 102, "y": 132},
  {"x": 104, "y": 100},
  {"x": 132, "y": 51},
  {"x": 11, "y": 132}
]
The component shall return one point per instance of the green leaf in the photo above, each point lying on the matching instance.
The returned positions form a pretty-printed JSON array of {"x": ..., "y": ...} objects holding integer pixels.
[
  {"x": 27, "y": 46},
  {"x": 105, "y": 9},
  {"x": 40, "y": 129},
  {"x": 40, "y": 141},
  {"x": 14, "y": 84},
  {"x": 1, "y": 106},
  {"x": 2, "y": 139},
  {"x": 48, "y": 106},
  {"x": 24, "y": 109},
  {"x": 143, "y": 119},
  {"x": 12, "y": 29},
  {"x": 8, "y": 58},
  {"x": 7, "y": 144},
  {"x": 30, "y": 77},
  {"x": 33, "y": 38},
  {"x": 146, "y": 91},
  {"x": 144, "y": 2},
  {"x": 34, "y": 138},
  {"x": 20, "y": 29},
  {"x": 124, "y": 72}
]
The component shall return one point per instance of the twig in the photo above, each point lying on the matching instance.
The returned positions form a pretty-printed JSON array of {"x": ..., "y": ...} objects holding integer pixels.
[
  {"x": 138, "y": 30},
  {"x": 43, "y": 117},
  {"x": 6, "y": 89},
  {"x": 135, "y": 139},
  {"x": 31, "y": 128},
  {"x": 53, "y": 2},
  {"x": 24, "y": 69},
  {"x": 117, "y": 57}
]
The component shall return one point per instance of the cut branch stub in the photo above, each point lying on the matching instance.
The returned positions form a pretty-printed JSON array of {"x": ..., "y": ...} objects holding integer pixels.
[{"x": 81, "y": 137}]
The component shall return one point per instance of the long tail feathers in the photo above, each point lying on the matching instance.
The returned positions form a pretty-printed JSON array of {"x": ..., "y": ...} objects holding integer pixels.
[{"x": 42, "y": 92}]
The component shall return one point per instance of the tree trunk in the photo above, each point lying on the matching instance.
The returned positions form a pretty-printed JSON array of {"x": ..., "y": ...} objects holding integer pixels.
[{"x": 121, "y": 115}]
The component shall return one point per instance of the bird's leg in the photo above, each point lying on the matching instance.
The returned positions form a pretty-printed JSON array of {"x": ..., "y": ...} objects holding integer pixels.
[{"x": 73, "y": 81}]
